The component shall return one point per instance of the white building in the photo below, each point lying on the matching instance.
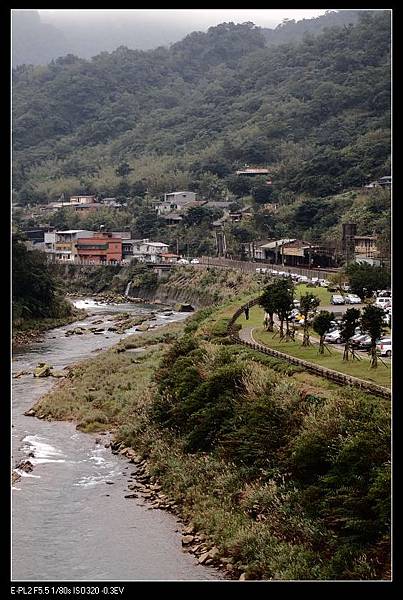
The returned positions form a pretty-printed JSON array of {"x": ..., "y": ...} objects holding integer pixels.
[
  {"x": 147, "y": 251},
  {"x": 175, "y": 201},
  {"x": 64, "y": 243}
]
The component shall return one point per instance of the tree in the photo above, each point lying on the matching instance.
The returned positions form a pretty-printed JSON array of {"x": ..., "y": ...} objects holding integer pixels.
[
  {"x": 123, "y": 170},
  {"x": 372, "y": 324},
  {"x": 308, "y": 303},
  {"x": 365, "y": 279},
  {"x": 268, "y": 303},
  {"x": 349, "y": 323},
  {"x": 321, "y": 325},
  {"x": 261, "y": 191},
  {"x": 239, "y": 185},
  {"x": 283, "y": 296}
]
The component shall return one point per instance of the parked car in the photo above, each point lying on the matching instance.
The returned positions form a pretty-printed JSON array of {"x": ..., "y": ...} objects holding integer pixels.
[
  {"x": 337, "y": 299},
  {"x": 334, "y": 337},
  {"x": 297, "y": 303},
  {"x": 383, "y": 302},
  {"x": 183, "y": 261},
  {"x": 195, "y": 261},
  {"x": 364, "y": 343},
  {"x": 384, "y": 347},
  {"x": 356, "y": 339},
  {"x": 352, "y": 299},
  {"x": 324, "y": 283}
]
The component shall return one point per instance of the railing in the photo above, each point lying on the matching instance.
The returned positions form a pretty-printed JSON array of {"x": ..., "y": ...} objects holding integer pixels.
[
  {"x": 250, "y": 267},
  {"x": 339, "y": 378}
]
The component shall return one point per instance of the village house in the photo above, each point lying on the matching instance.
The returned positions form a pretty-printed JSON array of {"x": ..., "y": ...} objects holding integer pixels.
[
  {"x": 175, "y": 202},
  {"x": 252, "y": 172},
  {"x": 60, "y": 245},
  {"x": 290, "y": 252},
  {"x": 143, "y": 250},
  {"x": 99, "y": 248}
]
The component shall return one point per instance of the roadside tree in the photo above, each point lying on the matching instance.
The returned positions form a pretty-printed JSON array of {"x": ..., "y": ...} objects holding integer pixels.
[
  {"x": 366, "y": 279},
  {"x": 268, "y": 303},
  {"x": 321, "y": 325},
  {"x": 372, "y": 324},
  {"x": 349, "y": 323},
  {"x": 283, "y": 296},
  {"x": 308, "y": 303}
]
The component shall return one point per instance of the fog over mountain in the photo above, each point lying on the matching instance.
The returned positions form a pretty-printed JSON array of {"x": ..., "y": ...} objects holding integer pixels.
[{"x": 42, "y": 36}]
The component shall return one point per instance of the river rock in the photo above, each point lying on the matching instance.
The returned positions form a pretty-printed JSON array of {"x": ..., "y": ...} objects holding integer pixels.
[
  {"x": 25, "y": 465},
  {"x": 184, "y": 307},
  {"x": 29, "y": 413},
  {"x": 15, "y": 477},
  {"x": 188, "y": 530},
  {"x": 203, "y": 558},
  {"x": 42, "y": 370},
  {"x": 58, "y": 374},
  {"x": 143, "y": 327},
  {"x": 187, "y": 539},
  {"x": 20, "y": 374},
  {"x": 131, "y": 496}
]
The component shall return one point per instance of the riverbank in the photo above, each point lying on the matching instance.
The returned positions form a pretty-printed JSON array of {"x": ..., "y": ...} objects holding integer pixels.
[
  {"x": 236, "y": 443},
  {"x": 30, "y": 330}
]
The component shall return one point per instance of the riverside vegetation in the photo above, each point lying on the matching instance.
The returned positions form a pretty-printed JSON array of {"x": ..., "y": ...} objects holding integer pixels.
[
  {"x": 38, "y": 300},
  {"x": 286, "y": 474}
]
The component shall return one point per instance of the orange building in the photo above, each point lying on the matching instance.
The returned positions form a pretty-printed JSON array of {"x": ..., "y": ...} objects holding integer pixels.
[{"x": 100, "y": 249}]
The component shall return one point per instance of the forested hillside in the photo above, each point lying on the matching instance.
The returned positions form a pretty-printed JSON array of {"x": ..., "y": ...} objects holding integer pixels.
[{"x": 317, "y": 113}]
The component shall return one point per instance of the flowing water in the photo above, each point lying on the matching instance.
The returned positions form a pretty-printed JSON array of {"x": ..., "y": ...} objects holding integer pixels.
[{"x": 70, "y": 520}]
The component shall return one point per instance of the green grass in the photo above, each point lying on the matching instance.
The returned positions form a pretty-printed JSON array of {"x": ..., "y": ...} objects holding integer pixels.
[
  {"x": 360, "y": 369},
  {"x": 322, "y": 293}
]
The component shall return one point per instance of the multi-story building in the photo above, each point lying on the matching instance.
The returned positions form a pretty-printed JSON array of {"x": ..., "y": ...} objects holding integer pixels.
[
  {"x": 100, "y": 248},
  {"x": 65, "y": 243}
]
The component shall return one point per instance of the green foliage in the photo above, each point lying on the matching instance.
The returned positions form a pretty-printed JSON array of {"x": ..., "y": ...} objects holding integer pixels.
[
  {"x": 317, "y": 112},
  {"x": 365, "y": 279},
  {"x": 349, "y": 323},
  {"x": 36, "y": 290},
  {"x": 321, "y": 325}
]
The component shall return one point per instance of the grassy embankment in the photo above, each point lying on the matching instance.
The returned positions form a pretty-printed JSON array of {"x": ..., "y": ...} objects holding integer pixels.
[
  {"x": 357, "y": 368},
  {"x": 285, "y": 473},
  {"x": 26, "y": 330}
]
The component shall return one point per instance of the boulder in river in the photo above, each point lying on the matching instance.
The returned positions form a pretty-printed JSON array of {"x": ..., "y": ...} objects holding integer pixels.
[
  {"x": 25, "y": 465},
  {"x": 43, "y": 370},
  {"x": 29, "y": 413},
  {"x": 15, "y": 477},
  {"x": 184, "y": 307},
  {"x": 58, "y": 374}
]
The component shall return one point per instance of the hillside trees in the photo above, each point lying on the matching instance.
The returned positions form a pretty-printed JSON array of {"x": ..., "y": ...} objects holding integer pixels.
[{"x": 214, "y": 102}]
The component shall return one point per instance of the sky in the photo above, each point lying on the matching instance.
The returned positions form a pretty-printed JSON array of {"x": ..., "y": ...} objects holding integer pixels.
[{"x": 202, "y": 18}]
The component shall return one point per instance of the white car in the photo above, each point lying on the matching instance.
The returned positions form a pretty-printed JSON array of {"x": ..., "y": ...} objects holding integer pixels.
[
  {"x": 183, "y": 261},
  {"x": 352, "y": 299},
  {"x": 384, "y": 347},
  {"x": 324, "y": 283},
  {"x": 337, "y": 299},
  {"x": 195, "y": 261},
  {"x": 383, "y": 302},
  {"x": 334, "y": 337}
]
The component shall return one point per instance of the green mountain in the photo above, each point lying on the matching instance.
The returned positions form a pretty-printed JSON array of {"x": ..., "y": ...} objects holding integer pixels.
[{"x": 316, "y": 112}]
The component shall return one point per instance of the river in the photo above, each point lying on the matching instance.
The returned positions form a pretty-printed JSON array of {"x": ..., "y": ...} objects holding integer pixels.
[{"x": 70, "y": 520}]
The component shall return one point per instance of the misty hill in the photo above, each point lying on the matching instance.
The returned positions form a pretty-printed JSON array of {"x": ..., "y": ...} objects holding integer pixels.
[
  {"x": 36, "y": 42},
  {"x": 291, "y": 31},
  {"x": 316, "y": 112}
]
